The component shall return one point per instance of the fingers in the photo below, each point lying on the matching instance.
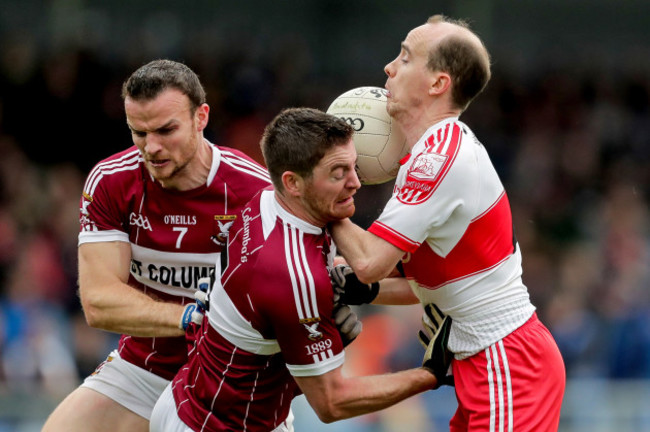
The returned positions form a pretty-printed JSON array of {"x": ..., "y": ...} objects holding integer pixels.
[
  {"x": 197, "y": 317},
  {"x": 347, "y": 323},
  {"x": 204, "y": 284},
  {"x": 337, "y": 275},
  {"x": 342, "y": 313},
  {"x": 424, "y": 339},
  {"x": 201, "y": 299},
  {"x": 434, "y": 314}
]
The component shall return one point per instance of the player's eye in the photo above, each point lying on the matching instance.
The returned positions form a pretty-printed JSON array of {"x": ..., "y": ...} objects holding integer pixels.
[
  {"x": 339, "y": 173},
  {"x": 166, "y": 131}
]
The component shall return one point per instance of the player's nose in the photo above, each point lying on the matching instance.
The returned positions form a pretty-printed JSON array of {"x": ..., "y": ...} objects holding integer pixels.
[
  {"x": 151, "y": 144},
  {"x": 353, "y": 181},
  {"x": 390, "y": 69}
]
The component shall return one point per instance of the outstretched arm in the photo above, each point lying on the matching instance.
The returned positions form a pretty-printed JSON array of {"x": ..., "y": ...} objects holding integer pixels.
[
  {"x": 371, "y": 257},
  {"x": 335, "y": 397},
  {"x": 109, "y": 303}
]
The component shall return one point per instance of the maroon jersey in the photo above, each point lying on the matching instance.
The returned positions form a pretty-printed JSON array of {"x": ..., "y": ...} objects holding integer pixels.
[
  {"x": 176, "y": 237},
  {"x": 270, "y": 318}
]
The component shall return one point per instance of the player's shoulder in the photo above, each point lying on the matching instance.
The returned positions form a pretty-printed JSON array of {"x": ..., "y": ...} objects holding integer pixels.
[
  {"x": 123, "y": 166},
  {"x": 124, "y": 162},
  {"x": 237, "y": 164}
]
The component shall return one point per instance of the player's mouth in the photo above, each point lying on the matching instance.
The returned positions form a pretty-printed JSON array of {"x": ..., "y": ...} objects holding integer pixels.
[
  {"x": 348, "y": 200},
  {"x": 158, "y": 163}
]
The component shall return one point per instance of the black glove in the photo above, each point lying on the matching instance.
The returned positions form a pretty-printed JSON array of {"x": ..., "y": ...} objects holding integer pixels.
[
  {"x": 434, "y": 338},
  {"x": 348, "y": 289},
  {"x": 347, "y": 323}
]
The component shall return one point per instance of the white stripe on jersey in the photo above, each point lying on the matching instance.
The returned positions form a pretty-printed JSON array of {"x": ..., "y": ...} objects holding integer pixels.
[
  {"x": 322, "y": 356},
  {"x": 128, "y": 162},
  {"x": 292, "y": 275},
  {"x": 301, "y": 278},
  {"x": 496, "y": 372},
  {"x": 250, "y": 400},
  {"x": 310, "y": 278},
  {"x": 223, "y": 378},
  {"x": 245, "y": 165}
]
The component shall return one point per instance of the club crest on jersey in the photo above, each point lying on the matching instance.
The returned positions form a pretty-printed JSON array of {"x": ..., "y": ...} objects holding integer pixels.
[
  {"x": 87, "y": 199},
  {"x": 311, "y": 324},
  {"x": 221, "y": 226},
  {"x": 421, "y": 178}
]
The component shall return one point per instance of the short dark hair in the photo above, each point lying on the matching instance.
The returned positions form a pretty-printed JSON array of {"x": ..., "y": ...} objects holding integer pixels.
[
  {"x": 298, "y": 138},
  {"x": 153, "y": 78},
  {"x": 468, "y": 66}
]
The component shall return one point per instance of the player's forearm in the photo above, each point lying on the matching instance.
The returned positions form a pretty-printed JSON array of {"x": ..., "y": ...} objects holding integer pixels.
[
  {"x": 363, "y": 395},
  {"x": 395, "y": 291},
  {"x": 371, "y": 258},
  {"x": 123, "y": 309}
]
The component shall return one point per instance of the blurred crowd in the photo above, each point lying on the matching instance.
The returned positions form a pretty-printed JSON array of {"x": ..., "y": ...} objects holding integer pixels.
[{"x": 573, "y": 150}]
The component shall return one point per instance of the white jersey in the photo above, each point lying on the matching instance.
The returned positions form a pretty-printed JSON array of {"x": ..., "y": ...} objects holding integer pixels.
[{"x": 450, "y": 213}]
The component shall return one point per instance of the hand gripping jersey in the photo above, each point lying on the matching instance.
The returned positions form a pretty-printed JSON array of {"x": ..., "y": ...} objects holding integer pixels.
[
  {"x": 176, "y": 237},
  {"x": 270, "y": 318},
  {"x": 451, "y": 215}
]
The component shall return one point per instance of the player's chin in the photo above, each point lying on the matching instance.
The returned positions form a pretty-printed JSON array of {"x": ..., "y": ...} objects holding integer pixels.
[{"x": 345, "y": 208}]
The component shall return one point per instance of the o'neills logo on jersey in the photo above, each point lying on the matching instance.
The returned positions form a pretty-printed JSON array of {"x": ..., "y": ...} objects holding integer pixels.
[
  {"x": 180, "y": 219},
  {"x": 421, "y": 178},
  {"x": 140, "y": 221}
]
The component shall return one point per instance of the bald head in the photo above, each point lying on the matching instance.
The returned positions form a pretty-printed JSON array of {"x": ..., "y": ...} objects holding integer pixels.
[{"x": 458, "y": 51}]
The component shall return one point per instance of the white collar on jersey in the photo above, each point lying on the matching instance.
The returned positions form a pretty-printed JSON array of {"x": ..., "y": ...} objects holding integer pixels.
[
  {"x": 268, "y": 201},
  {"x": 442, "y": 123},
  {"x": 216, "y": 161}
]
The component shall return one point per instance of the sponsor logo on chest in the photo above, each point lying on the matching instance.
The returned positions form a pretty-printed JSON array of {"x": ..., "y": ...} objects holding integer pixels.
[{"x": 180, "y": 219}]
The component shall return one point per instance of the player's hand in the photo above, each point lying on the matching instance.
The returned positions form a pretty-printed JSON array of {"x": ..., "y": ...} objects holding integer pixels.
[
  {"x": 347, "y": 323},
  {"x": 201, "y": 294},
  {"x": 348, "y": 289},
  {"x": 194, "y": 312},
  {"x": 434, "y": 338}
]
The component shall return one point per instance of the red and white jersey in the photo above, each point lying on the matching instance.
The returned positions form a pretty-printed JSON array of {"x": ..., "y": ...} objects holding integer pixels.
[
  {"x": 450, "y": 213},
  {"x": 270, "y": 318},
  {"x": 176, "y": 237}
]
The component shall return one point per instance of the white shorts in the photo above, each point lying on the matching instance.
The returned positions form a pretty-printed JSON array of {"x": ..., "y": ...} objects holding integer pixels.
[
  {"x": 164, "y": 417},
  {"x": 129, "y": 385}
]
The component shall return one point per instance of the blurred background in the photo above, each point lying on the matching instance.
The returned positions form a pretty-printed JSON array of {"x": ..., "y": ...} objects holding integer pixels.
[{"x": 565, "y": 118}]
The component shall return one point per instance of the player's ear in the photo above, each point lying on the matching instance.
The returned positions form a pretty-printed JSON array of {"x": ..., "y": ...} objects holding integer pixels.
[
  {"x": 293, "y": 183},
  {"x": 440, "y": 83},
  {"x": 202, "y": 116}
]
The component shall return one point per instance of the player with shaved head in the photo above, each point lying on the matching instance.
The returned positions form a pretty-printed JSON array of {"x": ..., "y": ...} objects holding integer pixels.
[{"x": 448, "y": 227}]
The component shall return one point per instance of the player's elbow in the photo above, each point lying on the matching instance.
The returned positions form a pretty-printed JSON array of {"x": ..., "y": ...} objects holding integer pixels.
[
  {"x": 92, "y": 312},
  {"x": 329, "y": 413},
  {"x": 369, "y": 272},
  {"x": 93, "y": 316}
]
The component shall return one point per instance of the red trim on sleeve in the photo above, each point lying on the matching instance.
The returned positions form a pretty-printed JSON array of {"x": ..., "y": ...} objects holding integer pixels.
[{"x": 393, "y": 237}]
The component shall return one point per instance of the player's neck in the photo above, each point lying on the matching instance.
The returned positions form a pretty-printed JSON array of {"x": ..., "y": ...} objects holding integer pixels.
[
  {"x": 416, "y": 126},
  {"x": 295, "y": 207},
  {"x": 195, "y": 173}
]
